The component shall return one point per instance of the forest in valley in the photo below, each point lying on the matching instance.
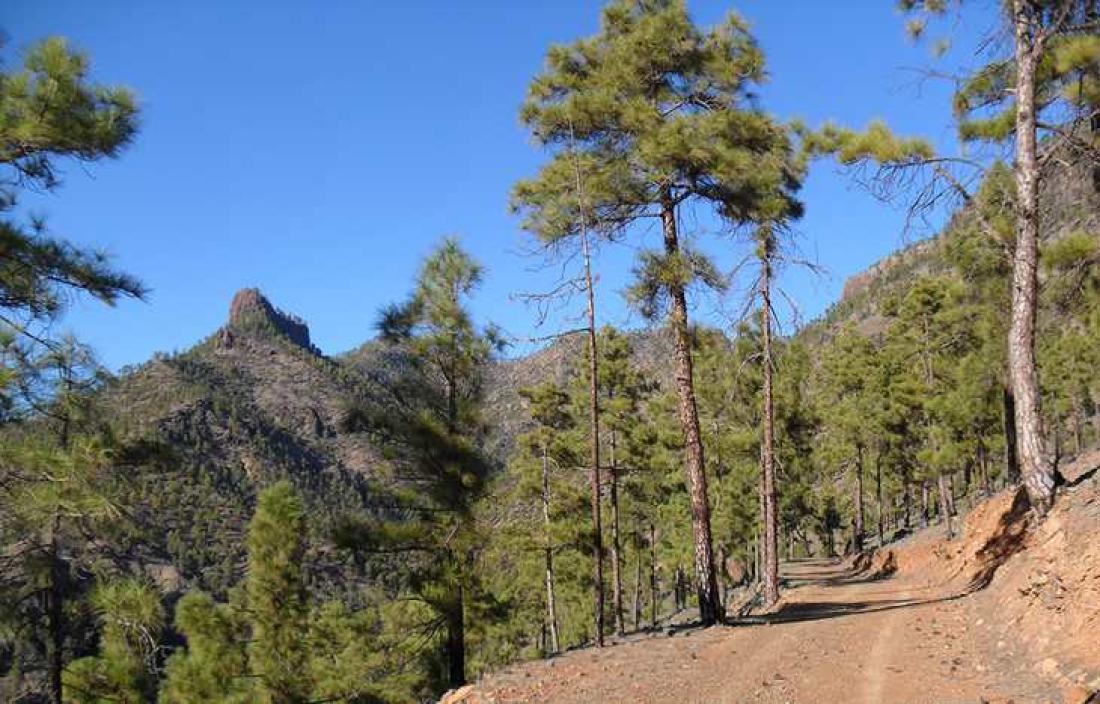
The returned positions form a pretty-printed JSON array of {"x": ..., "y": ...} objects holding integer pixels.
[{"x": 251, "y": 520}]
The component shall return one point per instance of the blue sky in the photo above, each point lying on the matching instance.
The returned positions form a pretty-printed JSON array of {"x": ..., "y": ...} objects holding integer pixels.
[{"x": 318, "y": 150}]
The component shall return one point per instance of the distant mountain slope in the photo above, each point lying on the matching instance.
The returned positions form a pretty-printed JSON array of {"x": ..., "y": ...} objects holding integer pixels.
[
  {"x": 252, "y": 403},
  {"x": 256, "y": 401},
  {"x": 1070, "y": 202}
]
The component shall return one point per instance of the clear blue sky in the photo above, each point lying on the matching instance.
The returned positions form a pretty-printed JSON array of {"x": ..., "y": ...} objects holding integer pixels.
[{"x": 317, "y": 150}]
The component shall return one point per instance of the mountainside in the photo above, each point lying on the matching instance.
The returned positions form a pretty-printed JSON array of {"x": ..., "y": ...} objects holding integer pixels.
[
  {"x": 253, "y": 403},
  {"x": 256, "y": 401},
  {"x": 1070, "y": 198}
]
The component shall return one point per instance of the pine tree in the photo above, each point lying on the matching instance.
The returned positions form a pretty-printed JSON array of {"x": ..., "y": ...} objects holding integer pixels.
[
  {"x": 558, "y": 208},
  {"x": 1048, "y": 85},
  {"x": 429, "y": 422},
  {"x": 932, "y": 332},
  {"x": 214, "y": 667},
  {"x": 547, "y": 444},
  {"x": 847, "y": 394},
  {"x": 730, "y": 406},
  {"x": 623, "y": 390},
  {"x": 52, "y": 112},
  {"x": 276, "y": 590},
  {"x": 61, "y": 495},
  {"x": 132, "y": 618},
  {"x": 270, "y": 644},
  {"x": 655, "y": 113}
]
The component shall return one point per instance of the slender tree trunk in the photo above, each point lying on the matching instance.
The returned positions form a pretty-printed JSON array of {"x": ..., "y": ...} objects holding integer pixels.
[
  {"x": 983, "y": 467},
  {"x": 456, "y": 636},
  {"x": 907, "y": 503},
  {"x": 952, "y": 511},
  {"x": 757, "y": 558},
  {"x": 677, "y": 588},
  {"x": 944, "y": 491},
  {"x": 857, "y": 537},
  {"x": 594, "y": 449},
  {"x": 767, "y": 443},
  {"x": 594, "y": 415},
  {"x": 551, "y": 600},
  {"x": 1012, "y": 462},
  {"x": 654, "y": 597},
  {"x": 55, "y": 616},
  {"x": 723, "y": 584},
  {"x": 706, "y": 582},
  {"x": 879, "y": 500},
  {"x": 1036, "y": 467},
  {"x": 637, "y": 580},
  {"x": 1078, "y": 442},
  {"x": 55, "y": 596},
  {"x": 616, "y": 547},
  {"x": 761, "y": 544}
]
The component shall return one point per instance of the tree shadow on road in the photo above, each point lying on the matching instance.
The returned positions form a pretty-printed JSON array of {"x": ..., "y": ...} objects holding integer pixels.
[{"x": 1007, "y": 538}]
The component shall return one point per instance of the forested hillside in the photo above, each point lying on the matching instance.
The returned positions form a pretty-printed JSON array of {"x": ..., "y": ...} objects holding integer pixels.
[{"x": 255, "y": 519}]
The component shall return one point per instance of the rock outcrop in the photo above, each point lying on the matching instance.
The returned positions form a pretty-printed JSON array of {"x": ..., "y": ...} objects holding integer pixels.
[{"x": 250, "y": 310}]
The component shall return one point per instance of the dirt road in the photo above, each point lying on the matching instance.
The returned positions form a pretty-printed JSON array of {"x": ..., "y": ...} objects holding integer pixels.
[{"x": 838, "y": 636}]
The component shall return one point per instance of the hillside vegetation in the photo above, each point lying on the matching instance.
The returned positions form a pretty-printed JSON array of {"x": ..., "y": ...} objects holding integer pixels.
[{"x": 898, "y": 496}]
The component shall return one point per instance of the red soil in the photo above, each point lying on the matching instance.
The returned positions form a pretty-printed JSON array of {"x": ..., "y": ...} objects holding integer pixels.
[{"x": 1005, "y": 612}]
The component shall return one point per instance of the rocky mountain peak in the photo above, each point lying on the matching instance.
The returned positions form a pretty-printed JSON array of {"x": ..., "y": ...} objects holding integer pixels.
[{"x": 251, "y": 311}]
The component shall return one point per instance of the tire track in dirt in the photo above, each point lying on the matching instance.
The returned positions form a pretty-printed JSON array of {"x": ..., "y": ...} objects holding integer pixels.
[{"x": 879, "y": 657}]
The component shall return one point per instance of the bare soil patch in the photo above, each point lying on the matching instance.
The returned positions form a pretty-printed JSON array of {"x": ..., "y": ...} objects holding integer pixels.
[{"x": 1005, "y": 612}]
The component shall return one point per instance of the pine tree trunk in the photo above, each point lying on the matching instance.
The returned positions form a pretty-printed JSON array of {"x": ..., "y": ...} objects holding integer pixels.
[
  {"x": 55, "y": 615},
  {"x": 637, "y": 580},
  {"x": 983, "y": 468},
  {"x": 616, "y": 547},
  {"x": 456, "y": 636},
  {"x": 723, "y": 585},
  {"x": 952, "y": 511},
  {"x": 857, "y": 537},
  {"x": 551, "y": 600},
  {"x": 706, "y": 581},
  {"x": 758, "y": 557},
  {"x": 767, "y": 444},
  {"x": 653, "y": 595},
  {"x": 677, "y": 589},
  {"x": 923, "y": 504},
  {"x": 1036, "y": 467},
  {"x": 907, "y": 498},
  {"x": 1078, "y": 442},
  {"x": 945, "y": 503},
  {"x": 594, "y": 441},
  {"x": 1012, "y": 462},
  {"x": 879, "y": 499}
]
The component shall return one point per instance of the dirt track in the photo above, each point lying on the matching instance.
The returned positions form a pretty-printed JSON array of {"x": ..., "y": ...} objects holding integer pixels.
[{"x": 839, "y": 635}]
